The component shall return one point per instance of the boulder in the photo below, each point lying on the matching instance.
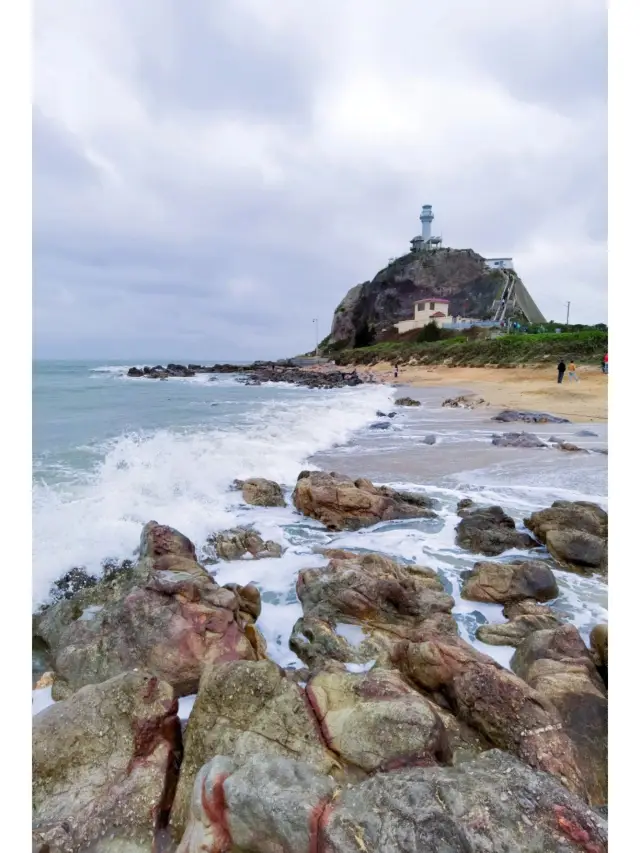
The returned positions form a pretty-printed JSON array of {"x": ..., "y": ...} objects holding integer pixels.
[
  {"x": 429, "y": 439},
  {"x": 510, "y": 415},
  {"x": 135, "y": 371},
  {"x": 568, "y": 447},
  {"x": 517, "y": 439},
  {"x": 558, "y": 665},
  {"x": 235, "y": 543},
  {"x": 515, "y": 581},
  {"x": 104, "y": 766},
  {"x": 344, "y": 504},
  {"x": 492, "y": 804},
  {"x": 165, "y": 615},
  {"x": 512, "y": 633},
  {"x": 407, "y": 401},
  {"x": 357, "y": 606},
  {"x": 244, "y": 709},
  {"x": 500, "y": 705},
  {"x": 599, "y": 639},
  {"x": 490, "y": 531},
  {"x": 587, "y": 433},
  {"x": 266, "y": 804},
  {"x": 466, "y": 401},
  {"x": 575, "y": 533},
  {"x": 380, "y": 425},
  {"x": 260, "y": 492},
  {"x": 376, "y": 721}
]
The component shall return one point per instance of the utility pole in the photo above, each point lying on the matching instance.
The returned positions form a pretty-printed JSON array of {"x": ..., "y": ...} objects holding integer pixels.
[
  {"x": 315, "y": 322},
  {"x": 568, "y": 307}
]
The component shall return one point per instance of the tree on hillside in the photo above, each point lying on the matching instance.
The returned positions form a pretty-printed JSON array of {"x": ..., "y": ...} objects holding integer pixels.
[{"x": 429, "y": 333}]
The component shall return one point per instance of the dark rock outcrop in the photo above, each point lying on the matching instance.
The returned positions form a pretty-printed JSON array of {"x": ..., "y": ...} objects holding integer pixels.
[
  {"x": 407, "y": 401},
  {"x": 517, "y": 439},
  {"x": 466, "y": 401},
  {"x": 489, "y": 531},
  {"x": 511, "y": 415},
  {"x": 344, "y": 504}
]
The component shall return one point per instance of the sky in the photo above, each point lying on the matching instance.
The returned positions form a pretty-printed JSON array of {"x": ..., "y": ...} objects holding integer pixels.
[{"x": 210, "y": 177}]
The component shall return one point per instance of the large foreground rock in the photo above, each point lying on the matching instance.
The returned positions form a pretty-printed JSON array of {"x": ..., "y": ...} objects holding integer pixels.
[
  {"x": 493, "y": 804},
  {"x": 104, "y": 766},
  {"x": 242, "y": 709},
  {"x": 166, "y": 615},
  {"x": 344, "y": 504},
  {"x": 575, "y": 533},
  {"x": 518, "y": 580},
  {"x": 558, "y": 665},
  {"x": 489, "y": 531}
]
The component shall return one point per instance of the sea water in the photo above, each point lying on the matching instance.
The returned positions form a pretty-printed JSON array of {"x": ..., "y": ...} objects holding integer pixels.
[{"x": 113, "y": 452}]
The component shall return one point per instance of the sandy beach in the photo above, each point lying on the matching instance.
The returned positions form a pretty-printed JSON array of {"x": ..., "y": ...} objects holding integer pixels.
[{"x": 514, "y": 388}]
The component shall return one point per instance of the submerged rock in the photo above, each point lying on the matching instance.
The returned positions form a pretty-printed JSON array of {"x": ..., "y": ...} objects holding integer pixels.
[
  {"x": 104, "y": 766},
  {"x": 510, "y": 415},
  {"x": 344, "y": 504},
  {"x": 490, "y": 531},
  {"x": 380, "y": 425},
  {"x": 515, "y": 581},
  {"x": 466, "y": 401},
  {"x": 517, "y": 439},
  {"x": 429, "y": 439},
  {"x": 407, "y": 401}
]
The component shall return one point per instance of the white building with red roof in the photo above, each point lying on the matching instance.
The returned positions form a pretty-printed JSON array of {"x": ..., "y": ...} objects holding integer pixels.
[{"x": 432, "y": 309}]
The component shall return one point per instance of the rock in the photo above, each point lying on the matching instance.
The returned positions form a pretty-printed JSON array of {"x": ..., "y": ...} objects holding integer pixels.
[
  {"x": 466, "y": 401},
  {"x": 135, "y": 371},
  {"x": 510, "y": 415},
  {"x": 235, "y": 543},
  {"x": 376, "y": 721},
  {"x": 105, "y": 761},
  {"x": 357, "y": 607},
  {"x": 45, "y": 680},
  {"x": 575, "y": 533},
  {"x": 165, "y": 615},
  {"x": 492, "y": 804},
  {"x": 244, "y": 709},
  {"x": 512, "y": 633},
  {"x": 586, "y": 433},
  {"x": 344, "y": 504},
  {"x": 380, "y": 425},
  {"x": 429, "y": 439},
  {"x": 407, "y": 401},
  {"x": 267, "y": 804},
  {"x": 514, "y": 581},
  {"x": 380, "y": 414},
  {"x": 260, "y": 492},
  {"x": 558, "y": 665},
  {"x": 517, "y": 439},
  {"x": 568, "y": 447},
  {"x": 502, "y": 707},
  {"x": 599, "y": 639},
  {"x": 490, "y": 531},
  {"x": 464, "y": 506}
]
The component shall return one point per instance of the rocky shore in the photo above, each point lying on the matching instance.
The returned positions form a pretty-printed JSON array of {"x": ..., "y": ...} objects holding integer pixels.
[
  {"x": 255, "y": 374},
  {"x": 395, "y": 736}
]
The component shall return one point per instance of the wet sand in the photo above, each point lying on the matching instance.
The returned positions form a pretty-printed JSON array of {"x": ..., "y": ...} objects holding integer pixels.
[{"x": 529, "y": 388}]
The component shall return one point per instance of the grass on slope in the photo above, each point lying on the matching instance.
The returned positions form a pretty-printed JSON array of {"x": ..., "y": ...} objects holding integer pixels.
[{"x": 582, "y": 347}]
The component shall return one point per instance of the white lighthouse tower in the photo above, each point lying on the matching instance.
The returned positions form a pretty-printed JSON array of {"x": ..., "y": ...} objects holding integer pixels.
[{"x": 426, "y": 217}]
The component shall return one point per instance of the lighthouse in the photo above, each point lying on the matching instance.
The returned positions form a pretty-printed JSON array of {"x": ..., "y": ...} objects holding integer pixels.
[{"x": 426, "y": 217}]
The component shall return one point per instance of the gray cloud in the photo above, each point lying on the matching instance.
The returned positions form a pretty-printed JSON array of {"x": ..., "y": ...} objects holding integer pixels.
[{"x": 210, "y": 177}]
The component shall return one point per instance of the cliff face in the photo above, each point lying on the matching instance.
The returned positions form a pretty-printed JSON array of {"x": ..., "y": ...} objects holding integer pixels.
[{"x": 458, "y": 275}]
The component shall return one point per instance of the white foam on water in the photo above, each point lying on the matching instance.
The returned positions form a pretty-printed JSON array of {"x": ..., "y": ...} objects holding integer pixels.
[
  {"x": 353, "y": 634},
  {"x": 182, "y": 479},
  {"x": 185, "y": 706},
  {"x": 40, "y": 699},
  {"x": 359, "y": 667}
]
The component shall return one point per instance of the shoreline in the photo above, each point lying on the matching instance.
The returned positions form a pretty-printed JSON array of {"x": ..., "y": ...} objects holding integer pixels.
[{"x": 526, "y": 387}]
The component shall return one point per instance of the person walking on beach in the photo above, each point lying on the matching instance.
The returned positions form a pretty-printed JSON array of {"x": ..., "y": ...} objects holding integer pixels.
[
  {"x": 572, "y": 372},
  {"x": 605, "y": 363},
  {"x": 395, "y": 372},
  {"x": 561, "y": 369}
]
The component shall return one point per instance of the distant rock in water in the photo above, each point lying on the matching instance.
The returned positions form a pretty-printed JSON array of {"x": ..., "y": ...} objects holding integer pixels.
[
  {"x": 407, "y": 401},
  {"x": 510, "y": 415},
  {"x": 380, "y": 425},
  {"x": 429, "y": 439},
  {"x": 466, "y": 401},
  {"x": 517, "y": 439}
]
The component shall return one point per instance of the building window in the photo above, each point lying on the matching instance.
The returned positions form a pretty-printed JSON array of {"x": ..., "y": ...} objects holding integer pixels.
[
  {"x": 432, "y": 306},
  {"x": 421, "y": 306}
]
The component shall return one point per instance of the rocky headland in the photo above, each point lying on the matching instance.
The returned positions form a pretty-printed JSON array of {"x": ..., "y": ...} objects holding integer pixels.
[
  {"x": 395, "y": 735},
  {"x": 254, "y": 374}
]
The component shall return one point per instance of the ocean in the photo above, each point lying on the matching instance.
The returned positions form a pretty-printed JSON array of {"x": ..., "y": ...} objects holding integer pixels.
[{"x": 111, "y": 453}]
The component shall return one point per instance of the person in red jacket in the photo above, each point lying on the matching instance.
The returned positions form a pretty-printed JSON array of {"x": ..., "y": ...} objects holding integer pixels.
[{"x": 605, "y": 363}]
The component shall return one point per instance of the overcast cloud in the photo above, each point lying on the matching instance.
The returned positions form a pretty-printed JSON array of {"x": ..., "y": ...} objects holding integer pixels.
[{"x": 211, "y": 176}]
